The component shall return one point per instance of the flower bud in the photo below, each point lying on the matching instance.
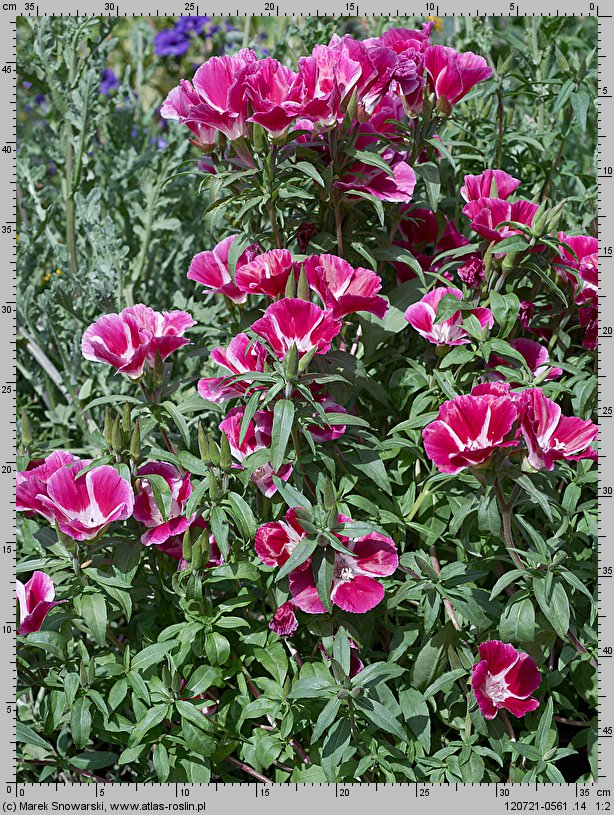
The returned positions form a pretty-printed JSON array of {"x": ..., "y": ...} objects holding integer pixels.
[
  {"x": 322, "y": 540},
  {"x": 135, "y": 442},
  {"x": 127, "y": 659},
  {"x": 117, "y": 437},
  {"x": 509, "y": 261},
  {"x": 443, "y": 108},
  {"x": 330, "y": 499},
  {"x": 26, "y": 430},
  {"x": 108, "y": 427},
  {"x": 290, "y": 290},
  {"x": 291, "y": 362},
  {"x": 559, "y": 557},
  {"x": 205, "y": 546},
  {"x": 214, "y": 492},
  {"x": 197, "y": 555},
  {"x": 343, "y": 694},
  {"x": 306, "y": 359},
  {"x": 214, "y": 452},
  {"x": 127, "y": 419},
  {"x": 225, "y": 454},
  {"x": 158, "y": 371},
  {"x": 186, "y": 546},
  {"x": 357, "y": 691},
  {"x": 203, "y": 445},
  {"x": 302, "y": 287},
  {"x": 331, "y": 518}
]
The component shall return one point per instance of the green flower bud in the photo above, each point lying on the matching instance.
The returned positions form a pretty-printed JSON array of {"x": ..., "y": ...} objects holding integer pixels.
[
  {"x": 205, "y": 546},
  {"x": 26, "y": 430},
  {"x": 158, "y": 371},
  {"x": 291, "y": 362},
  {"x": 197, "y": 555},
  {"x": 117, "y": 437},
  {"x": 225, "y": 454},
  {"x": 186, "y": 546},
  {"x": 203, "y": 445},
  {"x": 343, "y": 694},
  {"x": 559, "y": 558},
  {"x": 135, "y": 443},
  {"x": 290, "y": 290},
  {"x": 357, "y": 691},
  {"x": 302, "y": 287},
  {"x": 322, "y": 540},
  {"x": 108, "y": 428},
  {"x": 443, "y": 108},
  {"x": 214, "y": 452},
  {"x": 127, "y": 419},
  {"x": 330, "y": 499}
]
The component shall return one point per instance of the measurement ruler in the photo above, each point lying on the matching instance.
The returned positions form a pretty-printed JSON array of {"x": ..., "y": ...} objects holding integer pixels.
[{"x": 275, "y": 799}]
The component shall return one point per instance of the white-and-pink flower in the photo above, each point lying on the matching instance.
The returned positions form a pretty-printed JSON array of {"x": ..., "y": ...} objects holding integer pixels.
[
  {"x": 243, "y": 355},
  {"x": 147, "y": 511},
  {"x": 211, "y": 269},
  {"x": 423, "y": 314},
  {"x": 297, "y": 322},
  {"x": 343, "y": 289},
  {"x": 36, "y": 599}
]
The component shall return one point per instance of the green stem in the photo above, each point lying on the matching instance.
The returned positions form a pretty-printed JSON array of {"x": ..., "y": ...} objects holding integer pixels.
[
  {"x": 71, "y": 241},
  {"x": 500, "y": 126},
  {"x": 339, "y": 227},
  {"x": 506, "y": 516}
]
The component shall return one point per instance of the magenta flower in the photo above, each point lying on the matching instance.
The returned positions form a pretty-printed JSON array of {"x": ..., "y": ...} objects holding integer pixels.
[
  {"x": 397, "y": 188},
  {"x": 536, "y": 356},
  {"x": 422, "y": 316},
  {"x": 409, "y": 46},
  {"x": 549, "y": 435},
  {"x": 472, "y": 272},
  {"x": 355, "y": 585},
  {"x": 130, "y": 340},
  {"x": 258, "y": 437},
  {"x": 489, "y": 184},
  {"x": 243, "y": 355},
  {"x": 83, "y": 506},
  {"x": 216, "y": 98},
  {"x": 266, "y": 274},
  {"x": 585, "y": 262},
  {"x": 342, "y": 289},
  {"x": 178, "y": 105},
  {"x": 469, "y": 429},
  {"x": 452, "y": 74},
  {"x": 284, "y": 622},
  {"x": 35, "y": 602},
  {"x": 504, "y": 678},
  {"x": 489, "y": 214},
  {"x": 325, "y": 83},
  {"x": 323, "y": 432},
  {"x": 32, "y": 483},
  {"x": 268, "y": 85},
  {"x": 589, "y": 320},
  {"x": 296, "y": 322},
  {"x": 377, "y": 67},
  {"x": 147, "y": 511},
  {"x": 210, "y": 269},
  {"x": 275, "y": 541}
]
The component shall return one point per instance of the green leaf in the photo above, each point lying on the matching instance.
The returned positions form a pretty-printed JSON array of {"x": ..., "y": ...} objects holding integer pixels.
[
  {"x": 152, "y": 718},
  {"x": 300, "y": 554},
  {"x": 81, "y": 722},
  {"x": 555, "y": 607},
  {"x": 327, "y": 716},
  {"x": 273, "y": 658},
  {"x": 151, "y": 655},
  {"x": 308, "y": 169},
  {"x": 179, "y": 420},
  {"x": 375, "y": 713},
  {"x": 431, "y": 658},
  {"x": 334, "y": 747},
  {"x": 242, "y": 514},
  {"x": 202, "y": 679},
  {"x": 161, "y": 762},
  {"x": 323, "y": 567},
  {"x": 417, "y": 715},
  {"x": 118, "y": 692},
  {"x": 283, "y": 417},
  {"x": 93, "y": 760},
  {"x": 291, "y": 496},
  {"x": 26, "y": 735},
  {"x": 217, "y": 648},
  {"x": 517, "y": 623},
  {"x": 443, "y": 681},
  {"x": 312, "y": 687},
  {"x": 94, "y": 613},
  {"x": 219, "y": 529},
  {"x": 504, "y": 581}
]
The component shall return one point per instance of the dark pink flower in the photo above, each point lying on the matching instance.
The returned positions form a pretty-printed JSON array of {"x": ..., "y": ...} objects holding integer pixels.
[
  {"x": 266, "y": 274},
  {"x": 84, "y": 506},
  {"x": 469, "y": 430},
  {"x": 408, "y": 77},
  {"x": 267, "y": 85},
  {"x": 536, "y": 356},
  {"x": 489, "y": 214},
  {"x": 179, "y": 104},
  {"x": 397, "y": 188},
  {"x": 589, "y": 319},
  {"x": 243, "y": 355},
  {"x": 452, "y": 74},
  {"x": 258, "y": 437},
  {"x": 342, "y": 289},
  {"x": 284, "y": 622},
  {"x": 275, "y": 541},
  {"x": 35, "y": 602},
  {"x": 323, "y": 432},
  {"x": 147, "y": 511},
  {"x": 585, "y": 262},
  {"x": 549, "y": 435},
  {"x": 489, "y": 184},
  {"x": 422, "y": 316},
  {"x": 472, "y": 272},
  {"x": 210, "y": 269},
  {"x": 296, "y": 322},
  {"x": 355, "y": 586},
  {"x": 216, "y": 97},
  {"x": 130, "y": 340},
  {"x": 377, "y": 66},
  {"x": 32, "y": 483},
  {"x": 504, "y": 678}
]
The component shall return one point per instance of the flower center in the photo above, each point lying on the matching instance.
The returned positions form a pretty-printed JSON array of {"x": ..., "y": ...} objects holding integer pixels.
[
  {"x": 346, "y": 573},
  {"x": 496, "y": 687}
]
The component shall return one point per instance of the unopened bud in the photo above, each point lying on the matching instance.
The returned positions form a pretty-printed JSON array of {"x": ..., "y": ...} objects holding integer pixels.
[
  {"x": 158, "y": 370},
  {"x": 330, "y": 501},
  {"x": 322, "y": 540},
  {"x": 357, "y": 691},
  {"x": 290, "y": 290},
  {"x": 186, "y": 546},
  {"x": 214, "y": 452},
  {"x": 304, "y": 361},
  {"x": 443, "y": 108},
  {"x": 26, "y": 430},
  {"x": 343, "y": 694},
  {"x": 197, "y": 555},
  {"x": 509, "y": 261},
  {"x": 135, "y": 443},
  {"x": 127, "y": 419},
  {"x": 291, "y": 362},
  {"x": 225, "y": 454},
  {"x": 108, "y": 427},
  {"x": 205, "y": 547},
  {"x": 302, "y": 287},
  {"x": 203, "y": 445},
  {"x": 559, "y": 558},
  {"x": 214, "y": 492},
  {"x": 331, "y": 518},
  {"x": 117, "y": 437}
]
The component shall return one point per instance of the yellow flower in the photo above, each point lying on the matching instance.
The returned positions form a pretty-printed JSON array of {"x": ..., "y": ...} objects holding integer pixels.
[
  {"x": 438, "y": 24},
  {"x": 58, "y": 271}
]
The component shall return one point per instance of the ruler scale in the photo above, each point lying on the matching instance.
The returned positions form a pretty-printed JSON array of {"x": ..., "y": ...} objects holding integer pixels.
[{"x": 274, "y": 799}]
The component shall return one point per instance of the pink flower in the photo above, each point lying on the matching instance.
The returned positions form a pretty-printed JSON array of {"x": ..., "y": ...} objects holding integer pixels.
[
  {"x": 356, "y": 664},
  {"x": 470, "y": 429},
  {"x": 84, "y": 506},
  {"x": 266, "y": 274},
  {"x": 488, "y": 214},
  {"x": 323, "y": 432},
  {"x": 268, "y": 85},
  {"x": 377, "y": 66},
  {"x": 422, "y": 316},
  {"x": 472, "y": 272},
  {"x": 258, "y": 437},
  {"x": 397, "y": 188},
  {"x": 504, "y": 678},
  {"x": 355, "y": 586},
  {"x": 409, "y": 45},
  {"x": 589, "y": 319},
  {"x": 32, "y": 483},
  {"x": 147, "y": 511},
  {"x": 325, "y": 83},
  {"x": 210, "y": 268},
  {"x": 343, "y": 289},
  {"x": 275, "y": 541},
  {"x": 243, "y": 355},
  {"x": 35, "y": 602},
  {"x": 452, "y": 74},
  {"x": 550, "y": 436},
  {"x": 129, "y": 340},
  {"x": 296, "y": 322},
  {"x": 284, "y": 622},
  {"x": 585, "y": 263},
  {"x": 489, "y": 184},
  {"x": 536, "y": 356},
  {"x": 216, "y": 99},
  {"x": 179, "y": 104}
]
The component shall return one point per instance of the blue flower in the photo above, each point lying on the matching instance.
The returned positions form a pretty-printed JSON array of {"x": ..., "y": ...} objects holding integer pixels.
[
  {"x": 109, "y": 82},
  {"x": 187, "y": 24},
  {"x": 171, "y": 43}
]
